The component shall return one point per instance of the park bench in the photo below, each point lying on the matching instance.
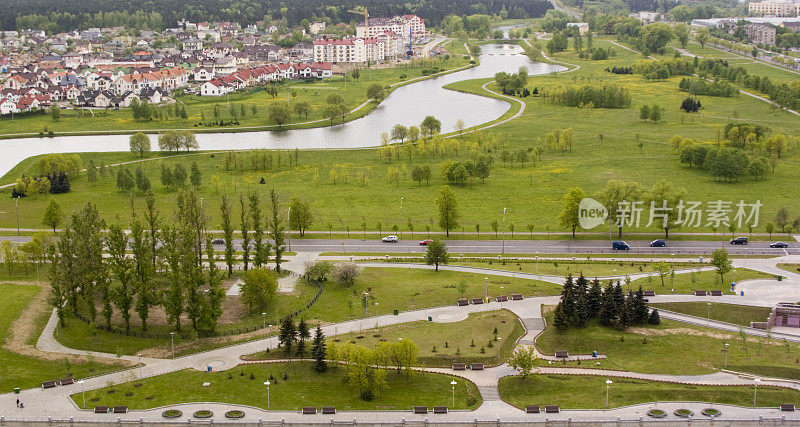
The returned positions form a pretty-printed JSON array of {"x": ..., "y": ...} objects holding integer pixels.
[
  {"x": 476, "y": 366},
  {"x": 66, "y": 381},
  {"x": 532, "y": 409},
  {"x": 49, "y": 384},
  {"x": 120, "y": 410},
  {"x": 420, "y": 409},
  {"x": 787, "y": 407},
  {"x": 101, "y": 409},
  {"x": 649, "y": 293},
  {"x": 551, "y": 409},
  {"x": 477, "y": 301},
  {"x": 716, "y": 293},
  {"x": 562, "y": 353},
  {"x": 308, "y": 410},
  {"x": 459, "y": 366},
  {"x": 329, "y": 410},
  {"x": 699, "y": 293},
  {"x": 516, "y": 297},
  {"x": 462, "y": 303},
  {"x": 502, "y": 298},
  {"x": 440, "y": 409}
]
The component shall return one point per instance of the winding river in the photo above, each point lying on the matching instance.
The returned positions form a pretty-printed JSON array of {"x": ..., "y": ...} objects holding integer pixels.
[{"x": 407, "y": 105}]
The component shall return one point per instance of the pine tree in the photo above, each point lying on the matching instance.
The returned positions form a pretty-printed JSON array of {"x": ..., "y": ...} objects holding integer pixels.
[
  {"x": 623, "y": 320},
  {"x": 302, "y": 335},
  {"x": 654, "y": 319},
  {"x": 594, "y": 298},
  {"x": 318, "y": 351},
  {"x": 568, "y": 301},
  {"x": 581, "y": 310},
  {"x": 619, "y": 296},
  {"x": 559, "y": 318},
  {"x": 287, "y": 335},
  {"x": 640, "y": 311},
  {"x": 608, "y": 308}
]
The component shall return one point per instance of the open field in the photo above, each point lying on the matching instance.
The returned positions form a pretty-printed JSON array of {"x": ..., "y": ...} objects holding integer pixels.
[
  {"x": 689, "y": 282},
  {"x": 585, "y": 392},
  {"x": 575, "y": 268},
  {"x": 463, "y": 341},
  {"x": 693, "y": 350},
  {"x": 304, "y": 387},
  {"x": 729, "y": 313}
]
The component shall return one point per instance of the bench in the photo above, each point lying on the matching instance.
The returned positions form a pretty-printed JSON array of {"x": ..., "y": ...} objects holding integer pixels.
[
  {"x": 532, "y": 409},
  {"x": 459, "y": 366},
  {"x": 101, "y": 409},
  {"x": 476, "y": 366},
  {"x": 551, "y": 409},
  {"x": 120, "y": 410},
  {"x": 49, "y": 384},
  {"x": 66, "y": 381},
  {"x": 440, "y": 409},
  {"x": 787, "y": 407},
  {"x": 501, "y": 298},
  {"x": 420, "y": 409},
  {"x": 699, "y": 293},
  {"x": 477, "y": 301},
  {"x": 462, "y": 303},
  {"x": 516, "y": 297},
  {"x": 649, "y": 293},
  {"x": 562, "y": 353},
  {"x": 329, "y": 410},
  {"x": 308, "y": 410},
  {"x": 716, "y": 293}
]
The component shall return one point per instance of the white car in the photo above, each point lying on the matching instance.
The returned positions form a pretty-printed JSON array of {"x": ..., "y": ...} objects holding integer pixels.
[{"x": 389, "y": 239}]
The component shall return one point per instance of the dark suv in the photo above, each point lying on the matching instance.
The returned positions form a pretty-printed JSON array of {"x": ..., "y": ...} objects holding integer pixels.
[{"x": 739, "y": 241}]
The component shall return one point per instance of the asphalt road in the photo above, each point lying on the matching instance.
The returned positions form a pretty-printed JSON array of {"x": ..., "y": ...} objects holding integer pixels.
[{"x": 678, "y": 247}]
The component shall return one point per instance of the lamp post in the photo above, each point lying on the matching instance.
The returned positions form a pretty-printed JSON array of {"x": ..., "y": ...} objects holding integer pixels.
[
  {"x": 755, "y": 389},
  {"x": 486, "y": 282},
  {"x": 264, "y": 318},
  {"x": 708, "y": 314},
  {"x": 267, "y": 384},
  {"x": 608, "y": 385},
  {"x": 726, "y": 355},
  {"x": 503, "y": 250},
  {"x": 140, "y": 365},
  {"x": 537, "y": 268},
  {"x": 16, "y": 205},
  {"x": 172, "y": 343},
  {"x": 453, "y": 384},
  {"x": 501, "y": 299},
  {"x": 377, "y": 313},
  {"x": 289, "y": 228},
  {"x": 83, "y": 393},
  {"x": 366, "y": 303},
  {"x": 401, "y": 217}
]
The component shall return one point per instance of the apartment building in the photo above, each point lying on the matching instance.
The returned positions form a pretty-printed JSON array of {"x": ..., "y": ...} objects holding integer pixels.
[
  {"x": 774, "y": 8},
  {"x": 404, "y": 25},
  {"x": 385, "y": 46}
]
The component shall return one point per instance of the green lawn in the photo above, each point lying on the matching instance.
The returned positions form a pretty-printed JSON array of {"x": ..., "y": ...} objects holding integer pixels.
[
  {"x": 586, "y": 392},
  {"x": 563, "y": 268},
  {"x": 461, "y": 341},
  {"x": 26, "y": 372},
  {"x": 691, "y": 350},
  {"x": 304, "y": 387},
  {"x": 730, "y": 313},
  {"x": 794, "y": 268},
  {"x": 688, "y": 282}
]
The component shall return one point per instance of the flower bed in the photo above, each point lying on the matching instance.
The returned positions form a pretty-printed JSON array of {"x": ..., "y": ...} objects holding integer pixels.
[
  {"x": 171, "y": 413},
  {"x": 711, "y": 412},
  {"x": 234, "y": 414},
  {"x": 656, "y": 413},
  {"x": 203, "y": 413},
  {"x": 684, "y": 413}
]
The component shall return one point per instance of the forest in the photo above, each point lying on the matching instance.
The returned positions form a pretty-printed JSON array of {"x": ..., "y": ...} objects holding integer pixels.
[{"x": 158, "y": 14}]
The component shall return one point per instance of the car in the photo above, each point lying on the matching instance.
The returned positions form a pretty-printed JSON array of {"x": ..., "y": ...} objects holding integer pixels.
[
  {"x": 658, "y": 243},
  {"x": 425, "y": 242},
  {"x": 739, "y": 241},
  {"x": 619, "y": 245},
  {"x": 389, "y": 239},
  {"x": 779, "y": 245},
  {"x": 218, "y": 242}
]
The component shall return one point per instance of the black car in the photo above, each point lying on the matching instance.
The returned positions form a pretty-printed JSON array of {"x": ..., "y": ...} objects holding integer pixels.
[
  {"x": 739, "y": 241},
  {"x": 658, "y": 243},
  {"x": 779, "y": 245}
]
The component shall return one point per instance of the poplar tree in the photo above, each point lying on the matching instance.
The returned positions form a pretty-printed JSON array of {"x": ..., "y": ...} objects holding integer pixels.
[
  {"x": 276, "y": 229},
  {"x": 227, "y": 228},
  {"x": 245, "y": 233},
  {"x": 318, "y": 351}
]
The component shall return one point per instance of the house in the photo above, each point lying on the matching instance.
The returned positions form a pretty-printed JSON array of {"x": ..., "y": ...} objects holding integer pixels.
[
  {"x": 218, "y": 50},
  {"x": 225, "y": 66},
  {"x": 215, "y": 87},
  {"x": 263, "y": 53},
  {"x": 192, "y": 44},
  {"x": 761, "y": 33},
  {"x": 7, "y": 106},
  {"x": 316, "y": 27},
  {"x": 152, "y": 95},
  {"x": 203, "y": 74},
  {"x": 73, "y": 60}
]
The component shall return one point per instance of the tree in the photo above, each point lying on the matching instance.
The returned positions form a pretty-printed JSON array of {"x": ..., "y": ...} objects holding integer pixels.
[
  {"x": 122, "y": 268},
  {"x": 656, "y": 35},
  {"x": 523, "y": 360},
  {"x": 125, "y": 180},
  {"x": 436, "y": 253},
  {"x": 347, "y": 272},
  {"x": 318, "y": 351},
  {"x": 375, "y": 92},
  {"x": 227, "y": 229},
  {"x": 615, "y": 194},
  {"x": 722, "y": 262},
  {"x": 655, "y": 113},
  {"x": 261, "y": 254},
  {"x": 644, "y": 112},
  {"x": 245, "y": 226},
  {"x": 258, "y": 287},
  {"x": 666, "y": 200},
  {"x": 52, "y": 215},
  {"x": 195, "y": 176},
  {"x": 430, "y": 126},
  {"x": 682, "y": 34},
  {"x": 55, "y": 112},
  {"x": 662, "y": 268},
  {"x": 569, "y": 215},
  {"x": 287, "y": 335},
  {"x": 399, "y": 132},
  {"x": 279, "y": 113},
  {"x": 300, "y": 216},
  {"x": 140, "y": 143},
  {"x": 782, "y": 219},
  {"x": 413, "y": 133},
  {"x": 448, "y": 209},
  {"x": 654, "y": 319},
  {"x": 302, "y": 108},
  {"x": 302, "y": 335},
  {"x": 276, "y": 229},
  {"x": 769, "y": 227}
]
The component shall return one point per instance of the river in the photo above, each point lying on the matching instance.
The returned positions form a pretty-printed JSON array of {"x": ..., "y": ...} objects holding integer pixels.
[{"x": 407, "y": 105}]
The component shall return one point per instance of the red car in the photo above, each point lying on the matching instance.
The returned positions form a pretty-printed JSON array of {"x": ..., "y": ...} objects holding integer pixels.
[{"x": 425, "y": 242}]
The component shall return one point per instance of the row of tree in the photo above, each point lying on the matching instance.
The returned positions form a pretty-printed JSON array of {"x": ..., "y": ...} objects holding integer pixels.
[{"x": 600, "y": 96}]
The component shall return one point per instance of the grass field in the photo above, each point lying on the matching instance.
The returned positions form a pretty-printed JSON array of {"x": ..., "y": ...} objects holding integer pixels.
[
  {"x": 794, "y": 268},
  {"x": 461, "y": 341},
  {"x": 26, "y": 372},
  {"x": 692, "y": 350},
  {"x": 304, "y": 387},
  {"x": 585, "y": 392},
  {"x": 563, "y": 268},
  {"x": 730, "y": 313},
  {"x": 201, "y": 109},
  {"x": 689, "y": 282}
]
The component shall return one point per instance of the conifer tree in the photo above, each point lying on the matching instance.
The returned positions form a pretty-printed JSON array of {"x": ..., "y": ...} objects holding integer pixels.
[
  {"x": 318, "y": 351},
  {"x": 302, "y": 335},
  {"x": 608, "y": 308},
  {"x": 594, "y": 298},
  {"x": 654, "y": 319},
  {"x": 287, "y": 335}
]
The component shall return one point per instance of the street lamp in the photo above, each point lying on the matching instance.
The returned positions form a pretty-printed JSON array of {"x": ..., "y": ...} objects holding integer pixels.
[
  {"x": 401, "y": 217},
  {"x": 755, "y": 389},
  {"x": 289, "y": 228},
  {"x": 608, "y": 385},
  {"x": 503, "y": 251},
  {"x": 83, "y": 393},
  {"x": 16, "y": 205},
  {"x": 501, "y": 299},
  {"x": 172, "y": 343},
  {"x": 453, "y": 384},
  {"x": 486, "y": 281},
  {"x": 366, "y": 303},
  {"x": 140, "y": 365},
  {"x": 708, "y": 314},
  {"x": 267, "y": 384},
  {"x": 264, "y": 318},
  {"x": 537, "y": 267},
  {"x": 726, "y": 355}
]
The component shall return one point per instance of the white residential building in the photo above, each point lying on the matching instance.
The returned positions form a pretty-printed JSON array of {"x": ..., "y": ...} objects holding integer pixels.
[
  {"x": 404, "y": 25},
  {"x": 385, "y": 47},
  {"x": 774, "y": 8}
]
